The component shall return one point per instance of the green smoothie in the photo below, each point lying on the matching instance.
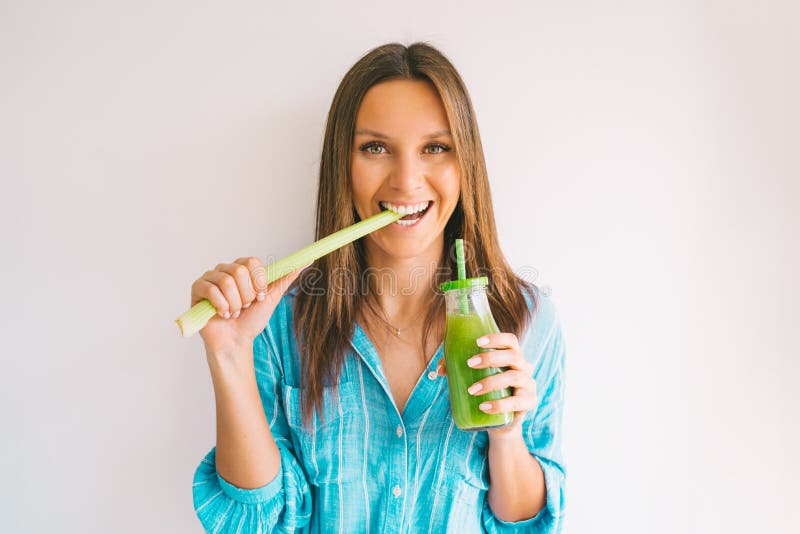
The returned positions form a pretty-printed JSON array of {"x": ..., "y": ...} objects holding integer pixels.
[{"x": 459, "y": 346}]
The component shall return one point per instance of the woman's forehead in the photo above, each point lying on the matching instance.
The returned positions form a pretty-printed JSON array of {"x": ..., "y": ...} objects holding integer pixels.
[{"x": 408, "y": 107}]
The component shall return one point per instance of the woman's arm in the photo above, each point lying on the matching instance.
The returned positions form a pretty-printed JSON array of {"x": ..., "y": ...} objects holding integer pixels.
[
  {"x": 526, "y": 467},
  {"x": 517, "y": 490},
  {"x": 255, "y": 483},
  {"x": 246, "y": 454}
]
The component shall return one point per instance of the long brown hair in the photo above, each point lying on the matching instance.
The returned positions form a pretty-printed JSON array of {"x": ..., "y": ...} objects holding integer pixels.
[{"x": 324, "y": 311}]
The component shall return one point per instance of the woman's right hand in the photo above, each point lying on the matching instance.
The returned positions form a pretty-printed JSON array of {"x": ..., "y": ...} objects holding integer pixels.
[{"x": 243, "y": 301}]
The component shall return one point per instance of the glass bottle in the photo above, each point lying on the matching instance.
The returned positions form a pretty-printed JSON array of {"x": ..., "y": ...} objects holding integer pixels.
[{"x": 468, "y": 318}]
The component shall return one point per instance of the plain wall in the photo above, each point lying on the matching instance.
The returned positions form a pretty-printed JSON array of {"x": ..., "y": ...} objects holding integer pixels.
[{"x": 644, "y": 164}]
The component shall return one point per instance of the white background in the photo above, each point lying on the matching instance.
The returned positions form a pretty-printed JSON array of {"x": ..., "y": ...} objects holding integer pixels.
[{"x": 643, "y": 158}]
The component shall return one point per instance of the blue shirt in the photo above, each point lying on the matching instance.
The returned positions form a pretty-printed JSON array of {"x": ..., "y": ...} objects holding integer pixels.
[{"x": 368, "y": 468}]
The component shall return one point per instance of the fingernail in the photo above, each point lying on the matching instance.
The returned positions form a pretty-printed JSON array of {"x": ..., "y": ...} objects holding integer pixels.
[
  {"x": 236, "y": 314},
  {"x": 221, "y": 314},
  {"x": 474, "y": 388},
  {"x": 227, "y": 315},
  {"x": 485, "y": 406},
  {"x": 475, "y": 360},
  {"x": 261, "y": 296},
  {"x": 481, "y": 341},
  {"x": 246, "y": 305}
]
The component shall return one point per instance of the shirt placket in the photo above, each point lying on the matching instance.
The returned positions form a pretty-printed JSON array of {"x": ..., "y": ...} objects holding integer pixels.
[{"x": 402, "y": 460}]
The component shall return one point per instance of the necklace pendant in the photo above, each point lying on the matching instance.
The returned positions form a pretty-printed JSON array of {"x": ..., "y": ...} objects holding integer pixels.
[{"x": 397, "y": 333}]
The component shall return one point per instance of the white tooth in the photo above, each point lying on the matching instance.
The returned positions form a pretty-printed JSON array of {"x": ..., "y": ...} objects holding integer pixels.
[
  {"x": 417, "y": 207},
  {"x": 405, "y": 210}
]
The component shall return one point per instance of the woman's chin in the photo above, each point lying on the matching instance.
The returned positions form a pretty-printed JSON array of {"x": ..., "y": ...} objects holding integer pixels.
[{"x": 404, "y": 247}]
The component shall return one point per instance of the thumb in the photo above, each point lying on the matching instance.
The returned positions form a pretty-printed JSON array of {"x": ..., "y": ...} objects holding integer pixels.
[
  {"x": 277, "y": 288},
  {"x": 256, "y": 317}
]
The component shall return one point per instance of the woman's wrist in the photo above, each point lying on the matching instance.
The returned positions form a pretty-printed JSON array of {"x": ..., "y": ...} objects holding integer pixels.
[
  {"x": 511, "y": 435},
  {"x": 232, "y": 361}
]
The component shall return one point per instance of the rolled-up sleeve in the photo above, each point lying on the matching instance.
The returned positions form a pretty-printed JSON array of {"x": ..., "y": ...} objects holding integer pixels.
[
  {"x": 542, "y": 431},
  {"x": 281, "y": 505}
]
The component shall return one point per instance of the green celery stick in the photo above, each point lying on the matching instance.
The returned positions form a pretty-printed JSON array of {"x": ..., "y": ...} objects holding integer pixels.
[{"x": 198, "y": 315}]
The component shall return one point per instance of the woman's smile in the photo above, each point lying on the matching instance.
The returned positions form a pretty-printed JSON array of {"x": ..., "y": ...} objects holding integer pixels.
[{"x": 414, "y": 212}]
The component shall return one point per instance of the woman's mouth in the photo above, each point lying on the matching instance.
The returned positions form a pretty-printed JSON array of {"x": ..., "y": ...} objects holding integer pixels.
[{"x": 413, "y": 212}]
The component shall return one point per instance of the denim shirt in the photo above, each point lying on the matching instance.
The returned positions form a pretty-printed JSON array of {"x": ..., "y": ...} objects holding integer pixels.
[{"x": 367, "y": 468}]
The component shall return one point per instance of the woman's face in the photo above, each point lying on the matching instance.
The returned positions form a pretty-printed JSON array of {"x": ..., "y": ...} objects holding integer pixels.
[{"x": 404, "y": 157}]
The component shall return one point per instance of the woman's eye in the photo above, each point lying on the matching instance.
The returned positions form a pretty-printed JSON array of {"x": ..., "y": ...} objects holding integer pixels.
[
  {"x": 436, "y": 148},
  {"x": 373, "y": 148}
]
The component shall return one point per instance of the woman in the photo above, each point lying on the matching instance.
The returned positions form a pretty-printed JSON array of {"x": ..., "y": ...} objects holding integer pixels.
[{"x": 331, "y": 409}]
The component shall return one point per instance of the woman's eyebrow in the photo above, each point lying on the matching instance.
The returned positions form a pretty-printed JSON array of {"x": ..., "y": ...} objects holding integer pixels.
[
  {"x": 439, "y": 133},
  {"x": 373, "y": 133},
  {"x": 379, "y": 135}
]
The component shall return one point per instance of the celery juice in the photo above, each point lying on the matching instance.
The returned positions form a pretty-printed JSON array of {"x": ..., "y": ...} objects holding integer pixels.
[{"x": 461, "y": 332}]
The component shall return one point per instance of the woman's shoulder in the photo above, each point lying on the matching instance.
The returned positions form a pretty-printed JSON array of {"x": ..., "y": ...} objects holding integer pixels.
[
  {"x": 543, "y": 311},
  {"x": 278, "y": 334},
  {"x": 282, "y": 315},
  {"x": 544, "y": 329}
]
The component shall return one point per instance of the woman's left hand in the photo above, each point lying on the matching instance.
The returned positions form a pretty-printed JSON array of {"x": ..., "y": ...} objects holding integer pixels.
[{"x": 519, "y": 377}]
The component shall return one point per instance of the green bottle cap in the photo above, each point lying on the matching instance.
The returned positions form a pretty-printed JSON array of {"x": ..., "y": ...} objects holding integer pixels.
[{"x": 464, "y": 284}]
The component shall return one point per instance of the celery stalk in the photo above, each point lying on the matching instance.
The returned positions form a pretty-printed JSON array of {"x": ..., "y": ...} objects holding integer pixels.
[{"x": 198, "y": 315}]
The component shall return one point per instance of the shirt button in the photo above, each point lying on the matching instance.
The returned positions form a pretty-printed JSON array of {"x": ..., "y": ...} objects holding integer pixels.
[
  {"x": 397, "y": 491},
  {"x": 399, "y": 431},
  {"x": 432, "y": 375}
]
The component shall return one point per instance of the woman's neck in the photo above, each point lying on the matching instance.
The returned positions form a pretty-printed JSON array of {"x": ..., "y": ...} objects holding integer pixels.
[{"x": 403, "y": 287}]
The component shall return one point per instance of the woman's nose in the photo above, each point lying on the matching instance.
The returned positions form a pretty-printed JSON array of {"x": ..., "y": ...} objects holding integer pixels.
[{"x": 408, "y": 173}]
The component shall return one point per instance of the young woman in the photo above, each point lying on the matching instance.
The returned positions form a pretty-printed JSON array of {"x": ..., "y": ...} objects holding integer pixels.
[{"x": 331, "y": 394}]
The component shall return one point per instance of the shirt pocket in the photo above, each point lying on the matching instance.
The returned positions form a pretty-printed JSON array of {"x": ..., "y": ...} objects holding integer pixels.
[
  {"x": 463, "y": 468},
  {"x": 329, "y": 447}
]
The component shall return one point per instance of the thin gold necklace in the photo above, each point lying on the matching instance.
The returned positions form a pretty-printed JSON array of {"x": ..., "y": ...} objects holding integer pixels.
[
  {"x": 393, "y": 329},
  {"x": 396, "y": 331}
]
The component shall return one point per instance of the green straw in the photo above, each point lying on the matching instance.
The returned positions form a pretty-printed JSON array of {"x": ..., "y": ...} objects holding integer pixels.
[{"x": 462, "y": 275}]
